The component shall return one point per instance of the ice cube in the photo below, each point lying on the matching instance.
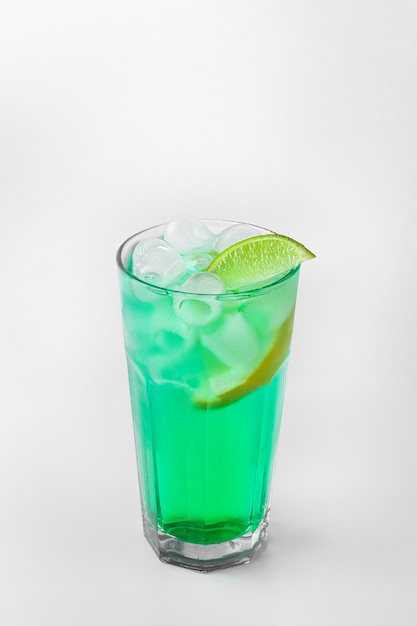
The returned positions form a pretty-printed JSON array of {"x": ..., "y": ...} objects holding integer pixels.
[
  {"x": 200, "y": 261},
  {"x": 269, "y": 309},
  {"x": 183, "y": 370},
  {"x": 199, "y": 311},
  {"x": 169, "y": 334},
  {"x": 188, "y": 235},
  {"x": 203, "y": 283},
  {"x": 156, "y": 262},
  {"x": 172, "y": 342},
  {"x": 172, "y": 339},
  {"x": 233, "y": 234},
  {"x": 233, "y": 342}
]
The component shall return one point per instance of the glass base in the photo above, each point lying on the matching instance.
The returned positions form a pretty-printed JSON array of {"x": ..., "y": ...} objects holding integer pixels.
[{"x": 205, "y": 558}]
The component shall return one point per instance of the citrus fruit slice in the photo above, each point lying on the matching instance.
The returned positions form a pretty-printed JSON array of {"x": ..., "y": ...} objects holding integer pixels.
[
  {"x": 247, "y": 264},
  {"x": 258, "y": 259},
  {"x": 231, "y": 385}
]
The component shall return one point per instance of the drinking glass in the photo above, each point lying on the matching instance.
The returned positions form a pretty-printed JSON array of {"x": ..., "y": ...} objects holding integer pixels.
[{"x": 207, "y": 377}]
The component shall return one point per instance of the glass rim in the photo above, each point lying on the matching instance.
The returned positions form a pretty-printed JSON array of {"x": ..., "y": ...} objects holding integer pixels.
[{"x": 227, "y": 295}]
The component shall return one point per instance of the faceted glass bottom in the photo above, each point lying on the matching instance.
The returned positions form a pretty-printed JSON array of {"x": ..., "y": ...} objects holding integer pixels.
[{"x": 205, "y": 558}]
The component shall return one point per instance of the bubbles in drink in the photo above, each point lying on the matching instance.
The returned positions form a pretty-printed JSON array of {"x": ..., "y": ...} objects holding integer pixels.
[
  {"x": 188, "y": 235},
  {"x": 156, "y": 262},
  {"x": 234, "y": 234},
  {"x": 201, "y": 311}
]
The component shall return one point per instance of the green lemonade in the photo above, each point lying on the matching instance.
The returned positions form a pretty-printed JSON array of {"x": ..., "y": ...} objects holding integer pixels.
[{"x": 206, "y": 402}]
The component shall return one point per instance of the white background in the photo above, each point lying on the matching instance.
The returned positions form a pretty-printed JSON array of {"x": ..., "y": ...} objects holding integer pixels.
[{"x": 297, "y": 115}]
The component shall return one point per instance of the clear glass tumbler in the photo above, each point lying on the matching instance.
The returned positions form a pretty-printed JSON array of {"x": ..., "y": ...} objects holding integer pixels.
[{"x": 207, "y": 377}]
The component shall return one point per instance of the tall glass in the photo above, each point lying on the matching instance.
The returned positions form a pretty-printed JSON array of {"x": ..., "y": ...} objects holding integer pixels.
[{"x": 207, "y": 377}]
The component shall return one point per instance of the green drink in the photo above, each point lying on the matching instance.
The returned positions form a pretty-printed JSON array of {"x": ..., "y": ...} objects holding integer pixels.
[{"x": 207, "y": 368}]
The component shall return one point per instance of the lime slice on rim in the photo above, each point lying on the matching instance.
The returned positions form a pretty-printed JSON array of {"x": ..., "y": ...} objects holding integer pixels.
[{"x": 258, "y": 259}]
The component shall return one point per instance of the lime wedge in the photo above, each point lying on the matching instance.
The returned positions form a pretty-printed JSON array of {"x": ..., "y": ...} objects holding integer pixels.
[
  {"x": 247, "y": 263},
  {"x": 225, "y": 388},
  {"x": 258, "y": 259}
]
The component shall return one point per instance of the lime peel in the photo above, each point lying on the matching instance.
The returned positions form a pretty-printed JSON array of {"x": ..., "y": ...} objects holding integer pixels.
[
  {"x": 257, "y": 259},
  {"x": 226, "y": 389}
]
